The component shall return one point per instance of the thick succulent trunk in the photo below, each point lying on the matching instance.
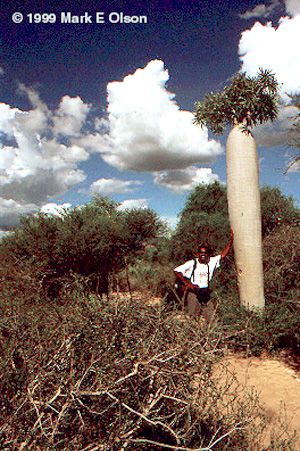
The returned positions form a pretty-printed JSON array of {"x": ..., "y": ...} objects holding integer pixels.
[{"x": 245, "y": 217}]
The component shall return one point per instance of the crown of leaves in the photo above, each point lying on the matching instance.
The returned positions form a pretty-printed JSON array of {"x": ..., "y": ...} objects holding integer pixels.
[{"x": 245, "y": 100}]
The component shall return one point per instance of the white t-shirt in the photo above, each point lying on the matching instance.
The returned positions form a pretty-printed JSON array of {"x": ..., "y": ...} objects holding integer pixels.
[{"x": 200, "y": 276}]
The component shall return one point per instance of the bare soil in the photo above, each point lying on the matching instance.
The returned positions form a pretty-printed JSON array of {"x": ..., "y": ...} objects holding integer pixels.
[{"x": 276, "y": 384}]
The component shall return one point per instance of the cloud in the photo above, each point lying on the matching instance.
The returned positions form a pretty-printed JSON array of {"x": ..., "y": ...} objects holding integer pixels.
[
  {"x": 54, "y": 209},
  {"x": 7, "y": 117},
  {"x": 261, "y": 10},
  {"x": 129, "y": 204},
  {"x": 34, "y": 97},
  {"x": 171, "y": 221},
  {"x": 70, "y": 116},
  {"x": 95, "y": 142},
  {"x": 148, "y": 131},
  {"x": 143, "y": 130},
  {"x": 107, "y": 187},
  {"x": 181, "y": 181},
  {"x": 38, "y": 159},
  {"x": 34, "y": 163},
  {"x": 292, "y": 7},
  {"x": 276, "y": 133},
  {"x": 275, "y": 49},
  {"x": 10, "y": 210}
]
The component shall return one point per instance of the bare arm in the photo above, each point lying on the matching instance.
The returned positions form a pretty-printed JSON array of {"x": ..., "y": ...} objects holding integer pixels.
[
  {"x": 229, "y": 244},
  {"x": 184, "y": 279}
]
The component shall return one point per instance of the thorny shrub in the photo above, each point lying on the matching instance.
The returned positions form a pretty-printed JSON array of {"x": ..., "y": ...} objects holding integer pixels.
[
  {"x": 282, "y": 262},
  {"x": 113, "y": 376},
  {"x": 254, "y": 332}
]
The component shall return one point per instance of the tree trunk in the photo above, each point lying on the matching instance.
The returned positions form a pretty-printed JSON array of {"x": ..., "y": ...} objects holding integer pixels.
[{"x": 245, "y": 217}]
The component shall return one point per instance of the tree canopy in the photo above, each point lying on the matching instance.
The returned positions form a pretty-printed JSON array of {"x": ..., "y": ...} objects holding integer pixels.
[
  {"x": 245, "y": 100},
  {"x": 94, "y": 238},
  {"x": 204, "y": 218}
]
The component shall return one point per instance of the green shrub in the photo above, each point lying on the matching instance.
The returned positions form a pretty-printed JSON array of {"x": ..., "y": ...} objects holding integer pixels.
[
  {"x": 152, "y": 277},
  {"x": 282, "y": 262},
  {"x": 93, "y": 241},
  {"x": 277, "y": 210},
  {"x": 204, "y": 218},
  {"x": 255, "y": 333}
]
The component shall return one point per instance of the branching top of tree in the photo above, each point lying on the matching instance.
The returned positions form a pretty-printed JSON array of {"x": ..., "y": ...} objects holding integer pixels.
[{"x": 246, "y": 100}]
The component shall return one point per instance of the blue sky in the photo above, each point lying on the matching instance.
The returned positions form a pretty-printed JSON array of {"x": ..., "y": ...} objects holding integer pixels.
[{"x": 105, "y": 107}]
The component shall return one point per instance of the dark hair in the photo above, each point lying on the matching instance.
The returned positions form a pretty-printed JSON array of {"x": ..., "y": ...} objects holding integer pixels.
[{"x": 205, "y": 246}]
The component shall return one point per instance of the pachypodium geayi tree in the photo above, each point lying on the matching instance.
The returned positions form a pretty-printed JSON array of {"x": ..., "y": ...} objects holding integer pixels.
[{"x": 245, "y": 102}]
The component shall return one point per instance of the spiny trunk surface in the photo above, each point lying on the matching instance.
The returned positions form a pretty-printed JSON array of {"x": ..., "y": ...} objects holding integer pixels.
[{"x": 245, "y": 215}]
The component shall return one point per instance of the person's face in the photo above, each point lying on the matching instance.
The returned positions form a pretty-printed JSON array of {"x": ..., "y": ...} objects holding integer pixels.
[{"x": 203, "y": 256}]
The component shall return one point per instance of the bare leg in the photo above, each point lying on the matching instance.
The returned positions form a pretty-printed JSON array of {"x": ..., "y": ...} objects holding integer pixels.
[
  {"x": 193, "y": 305},
  {"x": 196, "y": 309},
  {"x": 208, "y": 311}
]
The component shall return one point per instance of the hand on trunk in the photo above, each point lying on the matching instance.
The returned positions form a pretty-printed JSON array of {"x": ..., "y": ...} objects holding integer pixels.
[{"x": 229, "y": 244}]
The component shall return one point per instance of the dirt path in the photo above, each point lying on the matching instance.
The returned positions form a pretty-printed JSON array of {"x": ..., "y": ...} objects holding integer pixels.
[{"x": 277, "y": 385}]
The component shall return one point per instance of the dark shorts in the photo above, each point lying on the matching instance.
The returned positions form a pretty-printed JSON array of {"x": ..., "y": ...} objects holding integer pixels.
[
  {"x": 203, "y": 307},
  {"x": 203, "y": 294}
]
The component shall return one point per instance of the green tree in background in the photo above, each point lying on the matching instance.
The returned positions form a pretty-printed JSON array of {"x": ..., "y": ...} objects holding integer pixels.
[
  {"x": 205, "y": 218},
  {"x": 91, "y": 241},
  {"x": 277, "y": 210},
  {"x": 142, "y": 226}
]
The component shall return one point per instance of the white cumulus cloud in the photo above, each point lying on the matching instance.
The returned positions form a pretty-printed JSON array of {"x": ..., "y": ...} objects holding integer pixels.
[
  {"x": 148, "y": 131},
  {"x": 292, "y": 7},
  {"x": 171, "y": 221},
  {"x": 274, "y": 48},
  {"x": 143, "y": 130},
  {"x": 278, "y": 133},
  {"x": 70, "y": 116},
  {"x": 54, "y": 209},
  {"x": 34, "y": 163},
  {"x": 10, "y": 211},
  {"x": 107, "y": 187},
  {"x": 181, "y": 181},
  {"x": 129, "y": 204}
]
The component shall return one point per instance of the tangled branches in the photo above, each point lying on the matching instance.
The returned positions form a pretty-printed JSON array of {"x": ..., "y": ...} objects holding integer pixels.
[{"x": 115, "y": 376}]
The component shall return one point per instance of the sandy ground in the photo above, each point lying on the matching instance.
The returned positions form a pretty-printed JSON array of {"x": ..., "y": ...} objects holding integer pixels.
[{"x": 276, "y": 384}]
